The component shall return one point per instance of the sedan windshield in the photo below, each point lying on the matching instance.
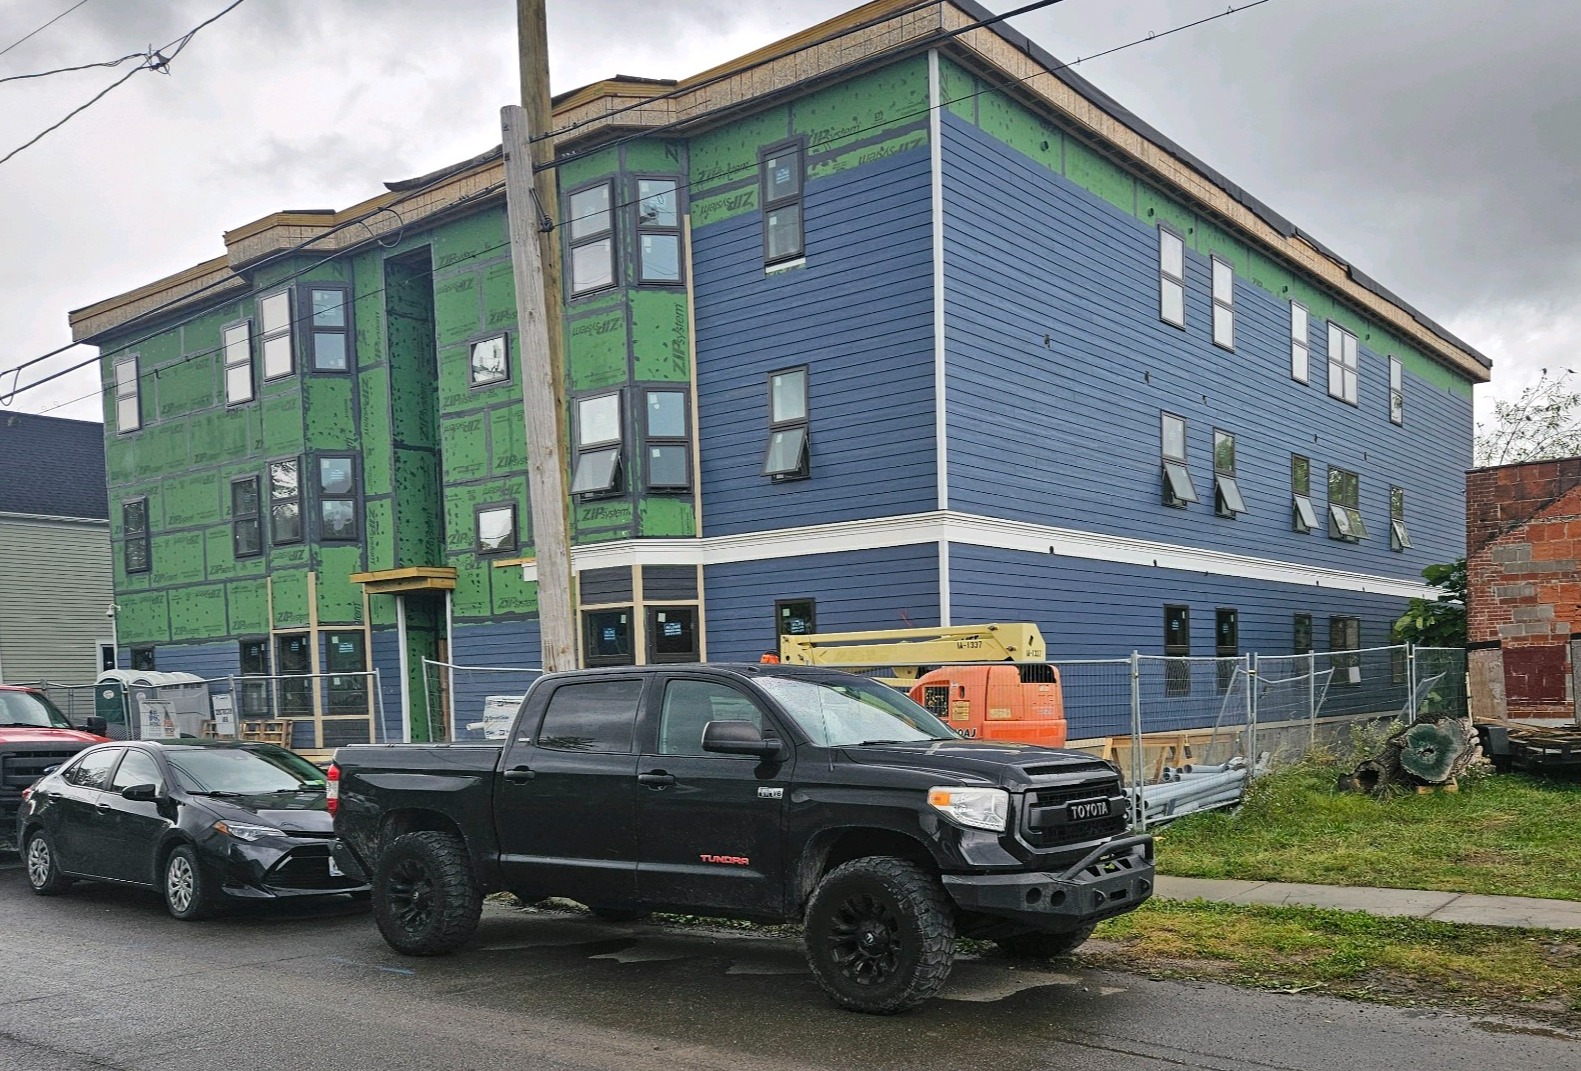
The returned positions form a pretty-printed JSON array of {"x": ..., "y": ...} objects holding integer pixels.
[
  {"x": 244, "y": 771},
  {"x": 29, "y": 710},
  {"x": 839, "y": 713}
]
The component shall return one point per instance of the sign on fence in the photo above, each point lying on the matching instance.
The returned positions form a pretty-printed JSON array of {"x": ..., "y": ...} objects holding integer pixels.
[
  {"x": 223, "y": 708},
  {"x": 499, "y": 711},
  {"x": 156, "y": 719}
]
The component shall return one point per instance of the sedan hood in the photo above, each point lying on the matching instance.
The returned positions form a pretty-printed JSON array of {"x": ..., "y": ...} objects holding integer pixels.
[
  {"x": 300, "y": 813},
  {"x": 1001, "y": 763}
]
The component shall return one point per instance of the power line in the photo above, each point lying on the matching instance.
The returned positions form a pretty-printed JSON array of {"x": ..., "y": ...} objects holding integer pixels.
[
  {"x": 155, "y": 60},
  {"x": 44, "y": 27},
  {"x": 81, "y": 67}
]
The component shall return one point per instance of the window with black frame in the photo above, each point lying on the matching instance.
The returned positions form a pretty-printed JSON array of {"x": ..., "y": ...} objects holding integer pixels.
[
  {"x": 337, "y": 498},
  {"x": 1177, "y": 651},
  {"x": 285, "y": 501},
  {"x": 607, "y": 637},
  {"x": 1399, "y": 537},
  {"x": 253, "y": 659},
  {"x": 658, "y": 231},
  {"x": 1171, "y": 277},
  {"x": 136, "y": 553},
  {"x": 1303, "y": 518},
  {"x": 246, "y": 518},
  {"x": 1223, "y": 304},
  {"x": 781, "y": 168},
  {"x": 1344, "y": 364},
  {"x": 788, "y": 454},
  {"x": 329, "y": 328},
  {"x": 1344, "y": 506},
  {"x": 590, "y": 231},
  {"x": 1227, "y": 501},
  {"x": 598, "y": 469},
  {"x": 795, "y": 617},
  {"x": 1301, "y": 634},
  {"x": 1300, "y": 345},
  {"x": 1344, "y": 635},
  {"x": 1177, "y": 486},
  {"x": 672, "y": 634},
  {"x": 1227, "y": 646},
  {"x": 668, "y": 441}
]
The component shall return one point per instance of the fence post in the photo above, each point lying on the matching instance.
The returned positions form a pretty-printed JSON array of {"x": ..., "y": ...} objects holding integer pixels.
[
  {"x": 1251, "y": 711},
  {"x": 236, "y": 706},
  {"x": 1410, "y": 676},
  {"x": 1311, "y": 700},
  {"x": 428, "y": 699},
  {"x": 1138, "y": 818},
  {"x": 378, "y": 705}
]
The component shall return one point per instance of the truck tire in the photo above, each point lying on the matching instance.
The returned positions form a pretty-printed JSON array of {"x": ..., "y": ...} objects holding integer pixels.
[
  {"x": 425, "y": 899},
  {"x": 1044, "y": 945},
  {"x": 43, "y": 872},
  {"x": 880, "y": 935}
]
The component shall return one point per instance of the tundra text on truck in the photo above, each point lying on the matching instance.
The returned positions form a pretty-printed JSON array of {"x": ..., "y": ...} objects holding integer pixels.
[{"x": 761, "y": 792}]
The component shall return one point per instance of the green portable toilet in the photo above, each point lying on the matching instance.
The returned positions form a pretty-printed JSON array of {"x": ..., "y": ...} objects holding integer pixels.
[{"x": 109, "y": 703}]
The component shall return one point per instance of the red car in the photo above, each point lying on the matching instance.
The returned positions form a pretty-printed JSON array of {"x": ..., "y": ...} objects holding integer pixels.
[{"x": 35, "y": 737}]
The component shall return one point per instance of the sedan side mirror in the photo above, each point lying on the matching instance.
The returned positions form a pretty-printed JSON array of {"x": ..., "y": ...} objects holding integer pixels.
[
  {"x": 738, "y": 738},
  {"x": 141, "y": 793}
]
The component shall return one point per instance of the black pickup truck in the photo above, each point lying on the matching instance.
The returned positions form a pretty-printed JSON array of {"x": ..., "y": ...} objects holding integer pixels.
[{"x": 762, "y": 792}]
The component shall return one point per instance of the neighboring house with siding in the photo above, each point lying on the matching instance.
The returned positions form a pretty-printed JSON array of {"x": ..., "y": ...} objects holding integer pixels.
[
  {"x": 903, "y": 327},
  {"x": 55, "y": 580},
  {"x": 1523, "y": 590}
]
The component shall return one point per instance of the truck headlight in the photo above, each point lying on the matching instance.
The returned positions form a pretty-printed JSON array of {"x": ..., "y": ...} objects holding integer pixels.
[{"x": 975, "y": 808}]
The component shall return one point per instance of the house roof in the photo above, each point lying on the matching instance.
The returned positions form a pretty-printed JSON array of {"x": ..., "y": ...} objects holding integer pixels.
[
  {"x": 872, "y": 34},
  {"x": 52, "y": 467}
]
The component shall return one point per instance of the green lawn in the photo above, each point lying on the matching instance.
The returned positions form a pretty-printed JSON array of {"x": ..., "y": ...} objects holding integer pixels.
[{"x": 1506, "y": 834}]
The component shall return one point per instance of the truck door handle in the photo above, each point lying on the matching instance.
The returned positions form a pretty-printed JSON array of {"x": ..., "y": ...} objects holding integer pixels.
[
  {"x": 519, "y": 774},
  {"x": 656, "y": 779}
]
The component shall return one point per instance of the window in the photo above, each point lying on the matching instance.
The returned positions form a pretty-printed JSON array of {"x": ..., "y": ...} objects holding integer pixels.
[
  {"x": 1396, "y": 391},
  {"x": 1301, "y": 634},
  {"x": 1227, "y": 501},
  {"x": 346, "y": 660},
  {"x": 94, "y": 769},
  {"x": 128, "y": 403},
  {"x": 1344, "y": 513},
  {"x": 787, "y": 454},
  {"x": 253, "y": 657},
  {"x": 496, "y": 529},
  {"x": 598, "y": 446},
  {"x": 1177, "y": 648},
  {"x": 1303, "y": 518},
  {"x": 329, "y": 330},
  {"x": 1344, "y": 634},
  {"x": 142, "y": 658},
  {"x": 599, "y": 716},
  {"x": 285, "y": 502},
  {"x": 238, "y": 348},
  {"x": 337, "y": 498},
  {"x": 293, "y": 660},
  {"x": 688, "y": 708},
  {"x": 669, "y": 457},
  {"x": 1171, "y": 277},
  {"x": 274, "y": 321},
  {"x": 781, "y": 173},
  {"x": 795, "y": 617},
  {"x": 591, "y": 227},
  {"x": 136, "y": 554},
  {"x": 658, "y": 232},
  {"x": 1399, "y": 538},
  {"x": 246, "y": 520},
  {"x": 672, "y": 634},
  {"x": 1178, "y": 489},
  {"x": 1227, "y": 646},
  {"x": 1223, "y": 304},
  {"x": 1343, "y": 364},
  {"x": 138, "y": 768},
  {"x": 490, "y": 361},
  {"x": 1300, "y": 348},
  {"x": 607, "y": 637}
]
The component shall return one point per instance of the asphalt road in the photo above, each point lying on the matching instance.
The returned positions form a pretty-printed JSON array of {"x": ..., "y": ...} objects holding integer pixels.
[{"x": 103, "y": 979}]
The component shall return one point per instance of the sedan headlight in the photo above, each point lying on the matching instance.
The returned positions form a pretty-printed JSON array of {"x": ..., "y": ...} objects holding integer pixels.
[
  {"x": 243, "y": 831},
  {"x": 975, "y": 808}
]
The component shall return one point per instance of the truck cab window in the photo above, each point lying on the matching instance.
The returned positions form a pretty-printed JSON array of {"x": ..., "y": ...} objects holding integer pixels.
[
  {"x": 690, "y": 705},
  {"x": 599, "y": 716}
]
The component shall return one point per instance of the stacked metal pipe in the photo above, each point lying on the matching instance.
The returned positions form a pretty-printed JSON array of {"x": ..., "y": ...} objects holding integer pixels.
[{"x": 1193, "y": 787}]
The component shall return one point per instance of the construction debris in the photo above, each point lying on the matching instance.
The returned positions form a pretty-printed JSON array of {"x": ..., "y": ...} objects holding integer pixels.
[
  {"x": 1547, "y": 749},
  {"x": 1433, "y": 750}
]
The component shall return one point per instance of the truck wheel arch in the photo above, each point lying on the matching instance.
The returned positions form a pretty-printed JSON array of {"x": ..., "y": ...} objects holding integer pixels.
[{"x": 833, "y": 847}]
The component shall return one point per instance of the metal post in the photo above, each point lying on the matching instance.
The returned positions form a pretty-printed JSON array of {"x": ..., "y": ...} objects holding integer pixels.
[
  {"x": 428, "y": 699},
  {"x": 1311, "y": 700},
  {"x": 1138, "y": 819},
  {"x": 378, "y": 704},
  {"x": 236, "y": 705},
  {"x": 1251, "y": 713},
  {"x": 1410, "y": 677}
]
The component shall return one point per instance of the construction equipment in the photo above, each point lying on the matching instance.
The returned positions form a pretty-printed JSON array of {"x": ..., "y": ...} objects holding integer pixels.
[{"x": 991, "y": 681}]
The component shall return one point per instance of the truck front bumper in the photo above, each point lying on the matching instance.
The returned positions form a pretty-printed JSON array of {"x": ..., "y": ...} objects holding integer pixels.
[{"x": 1110, "y": 880}]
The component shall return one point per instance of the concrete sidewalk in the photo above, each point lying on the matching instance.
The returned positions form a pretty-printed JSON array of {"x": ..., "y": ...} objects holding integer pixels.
[{"x": 1524, "y": 911}]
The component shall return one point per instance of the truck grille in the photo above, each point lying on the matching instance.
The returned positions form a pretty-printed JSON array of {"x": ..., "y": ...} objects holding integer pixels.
[
  {"x": 19, "y": 769},
  {"x": 1046, "y": 821}
]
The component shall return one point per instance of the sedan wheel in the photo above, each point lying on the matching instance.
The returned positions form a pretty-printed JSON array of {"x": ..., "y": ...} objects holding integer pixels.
[
  {"x": 43, "y": 876},
  {"x": 186, "y": 896}
]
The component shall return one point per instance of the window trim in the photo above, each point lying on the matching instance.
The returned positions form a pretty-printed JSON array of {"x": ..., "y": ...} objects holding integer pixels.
[
  {"x": 311, "y": 329},
  {"x": 511, "y": 545},
  {"x": 803, "y": 469},
  {"x": 1345, "y": 516},
  {"x": 1175, "y": 471},
  {"x": 266, "y": 337},
  {"x": 650, "y": 620},
  {"x": 239, "y": 520},
  {"x": 574, "y": 242},
  {"x": 504, "y": 339},
  {"x": 354, "y": 496},
  {"x": 812, "y": 617},
  {"x": 651, "y": 441},
  {"x": 1227, "y": 500},
  {"x": 799, "y": 199},
  {"x": 1303, "y": 516},
  {"x": 1224, "y": 304},
  {"x": 143, "y": 537},
  {"x": 301, "y": 520},
  {"x": 230, "y": 363},
  {"x": 1396, "y": 391},
  {"x": 640, "y": 229},
  {"x": 134, "y": 392},
  {"x": 1399, "y": 536},
  {"x": 1165, "y": 279},
  {"x": 586, "y": 451},
  {"x": 1350, "y": 390},
  {"x": 1301, "y": 343}
]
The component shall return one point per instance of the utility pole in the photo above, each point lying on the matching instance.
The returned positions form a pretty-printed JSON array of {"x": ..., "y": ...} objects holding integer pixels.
[{"x": 535, "y": 260}]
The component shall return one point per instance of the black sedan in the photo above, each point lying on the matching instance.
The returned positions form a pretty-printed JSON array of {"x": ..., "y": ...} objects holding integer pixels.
[{"x": 205, "y": 822}]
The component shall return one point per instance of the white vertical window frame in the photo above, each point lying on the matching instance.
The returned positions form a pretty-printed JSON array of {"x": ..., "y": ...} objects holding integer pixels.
[
  {"x": 1396, "y": 391},
  {"x": 274, "y": 330},
  {"x": 1223, "y": 304},
  {"x": 1300, "y": 347},
  {"x": 238, "y": 349},
  {"x": 1344, "y": 364},
  {"x": 1171, "y": 277},
  {"x": 128, "y": 399}
]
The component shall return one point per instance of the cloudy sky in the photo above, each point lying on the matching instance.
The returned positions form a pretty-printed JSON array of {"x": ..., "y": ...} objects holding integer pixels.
[{"x": 1437, "y": 145}]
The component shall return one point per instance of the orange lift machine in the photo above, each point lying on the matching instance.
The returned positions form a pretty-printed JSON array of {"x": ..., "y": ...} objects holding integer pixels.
[{"x": 992, "y": 682}]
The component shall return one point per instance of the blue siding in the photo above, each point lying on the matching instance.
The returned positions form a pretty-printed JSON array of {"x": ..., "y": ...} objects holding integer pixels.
[
  {"x": 385, "y": 656},
  {"x": 1066, "y": 432},
  {"x": 207, "y": 660},
  {"x": 866, "y": 589},
  {"x": 503, "y": 643},
  {"x": 859, "y": 315}
]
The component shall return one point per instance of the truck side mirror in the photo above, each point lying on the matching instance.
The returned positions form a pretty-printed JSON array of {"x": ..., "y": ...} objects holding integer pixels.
[
  {"x": 738, "y": 738},
  {"x": 96, "y": 725}
]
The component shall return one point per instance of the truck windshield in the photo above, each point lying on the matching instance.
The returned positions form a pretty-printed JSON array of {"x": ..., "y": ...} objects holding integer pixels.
[
  {"x": 28, "y": 710},
  {"x": 839, "y": 713}
]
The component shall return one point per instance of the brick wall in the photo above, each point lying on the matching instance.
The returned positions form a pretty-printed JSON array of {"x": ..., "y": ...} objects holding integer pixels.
[{"x": 1523, "y": 571}]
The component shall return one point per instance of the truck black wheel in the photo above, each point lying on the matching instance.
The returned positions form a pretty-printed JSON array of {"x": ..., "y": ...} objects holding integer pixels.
[
  {"x": 425, "y": 899},
  {"x": 1044, "y": 945},
  {"x": 880, "y": 935},
  {"x": 43, "y": 872}
]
